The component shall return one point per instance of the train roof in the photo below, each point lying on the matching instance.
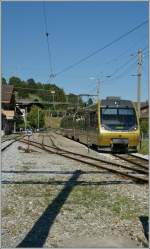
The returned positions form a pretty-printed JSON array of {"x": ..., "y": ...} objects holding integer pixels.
[
  {"x": 116, "y": 102},
  {"x": 110, "y": 102}
]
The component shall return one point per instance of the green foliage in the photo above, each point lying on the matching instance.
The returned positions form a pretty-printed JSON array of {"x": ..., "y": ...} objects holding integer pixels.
[
  {"x": 21, "y": 124},
  {"x": 144, "y": 126},
  {"x": 90, "y": 102},
  {"x": 43, "y": 92},
  {"x": 32, "y": 117},
  {"x": 144, "y": 147},
  {"x": 4, "y": 82},
  {"x": 15, "y": 81}
]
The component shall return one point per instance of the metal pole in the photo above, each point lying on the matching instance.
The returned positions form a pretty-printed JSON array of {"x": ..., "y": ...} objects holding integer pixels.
[
  {"x": 14, "y": 120},
  {"x": 139, "y": 80},
  {"x": 98, "y": 89},
  {"x": 38, "y": 119},
  {"x": 28, "y": 143},
  {"x": 25, "y": 119},
  {"x": 78, "y": 103},
  {"x": 53, "y": 102},
  {"x": 14, "y": 126},
  {"x": 66, "y": 99}
]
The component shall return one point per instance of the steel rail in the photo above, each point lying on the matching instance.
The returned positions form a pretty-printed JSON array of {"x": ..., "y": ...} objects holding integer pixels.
[
  {"x": 136, "y": 156},
  {"x": 118, "y": 165},
  {"x": 14, "y": 140},
  {"x": 125, "y": 158},
  {"x": 92, "y": 158},
  {"x": 122, "y": 174}
]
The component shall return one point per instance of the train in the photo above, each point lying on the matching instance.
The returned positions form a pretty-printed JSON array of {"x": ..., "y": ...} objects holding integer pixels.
[{"x": 111, "y": 124}]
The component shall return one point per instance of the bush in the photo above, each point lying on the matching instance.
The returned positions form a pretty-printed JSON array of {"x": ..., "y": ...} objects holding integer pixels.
[{"x": 144, "y": 126}]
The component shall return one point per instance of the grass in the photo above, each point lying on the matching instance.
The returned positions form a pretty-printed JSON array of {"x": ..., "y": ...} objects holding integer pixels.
[
  {"x": 114, "y": 203},
  {"x": 7, "y": 211},
  {"x": 87, "y": 196},
  {"x": 125, "y": 207},
  {"x": 53, "y": 122},
  {"x": 144, "y": 147}
]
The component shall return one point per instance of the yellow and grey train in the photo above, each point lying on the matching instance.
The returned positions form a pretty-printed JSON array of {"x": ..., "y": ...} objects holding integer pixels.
[{"x": 110, "y": 124}]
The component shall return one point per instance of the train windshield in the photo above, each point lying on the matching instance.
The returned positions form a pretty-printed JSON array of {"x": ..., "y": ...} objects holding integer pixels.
[{"x": 118, "y": 118}]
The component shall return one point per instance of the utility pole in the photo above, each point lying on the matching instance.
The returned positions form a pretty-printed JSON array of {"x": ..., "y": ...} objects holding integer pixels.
[
  {"x": 15, "y": 120},
  {"x": 98, "y": 89},
  {"x": 53, "y": 93},
  {"x": 78, "y": 102},
  {"x": 25, "y": 119},
  {"x": 139, "y": 80},
  {"x": 38, "y": 119}
]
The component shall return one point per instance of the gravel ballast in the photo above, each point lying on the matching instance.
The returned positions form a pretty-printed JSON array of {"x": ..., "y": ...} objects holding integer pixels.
[{"x": 51, "y": 201}]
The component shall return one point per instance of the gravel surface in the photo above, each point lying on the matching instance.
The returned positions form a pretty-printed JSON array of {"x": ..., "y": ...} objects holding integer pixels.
[{"x": 51, "y": 201}]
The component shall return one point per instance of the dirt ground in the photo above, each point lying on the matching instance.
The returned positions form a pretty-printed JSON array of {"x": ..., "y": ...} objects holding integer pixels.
[{"x": 51, "y": 201}]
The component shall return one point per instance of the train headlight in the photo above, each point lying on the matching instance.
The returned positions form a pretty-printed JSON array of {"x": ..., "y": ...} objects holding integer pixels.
[
  {"x": 133, "y": 128},
  {"x": 105, "y": 127}
]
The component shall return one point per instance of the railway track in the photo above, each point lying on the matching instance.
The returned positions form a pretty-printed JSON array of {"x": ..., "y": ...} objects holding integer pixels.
[
  {"x": 12, "y": 140},
  {"x": 10, "y": 137},
  {"x": 134, "y": 160},
  {"x": 137, "y": 175}
]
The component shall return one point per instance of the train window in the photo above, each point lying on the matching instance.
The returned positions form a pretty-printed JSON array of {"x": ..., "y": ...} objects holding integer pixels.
[
  {"x": 109, "y": 111},
  {"x": 118, "y": 118},
  {"x": 126, "y": 111}
]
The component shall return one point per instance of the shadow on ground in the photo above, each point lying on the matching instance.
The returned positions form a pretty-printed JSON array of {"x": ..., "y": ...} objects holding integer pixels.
[
  {"x": 145, "y": 224},
  {"x": 36, "y": 237}
]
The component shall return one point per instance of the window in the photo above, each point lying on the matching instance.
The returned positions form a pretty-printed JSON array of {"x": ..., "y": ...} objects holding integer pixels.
[{"x": 123, "y": 111}]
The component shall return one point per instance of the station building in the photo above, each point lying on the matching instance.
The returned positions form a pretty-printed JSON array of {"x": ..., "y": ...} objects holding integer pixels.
[{"x": 9, "y": 112}]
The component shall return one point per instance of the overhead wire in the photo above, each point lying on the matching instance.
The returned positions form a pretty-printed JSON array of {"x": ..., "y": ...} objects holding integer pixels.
[
  {"x": 47, "y": 41},
  {"x": 101, "y": 49},
  {"x": 124, "y": 52},
  {"x": 128, "y": 62},
  {"x": 124, "y": 65}
]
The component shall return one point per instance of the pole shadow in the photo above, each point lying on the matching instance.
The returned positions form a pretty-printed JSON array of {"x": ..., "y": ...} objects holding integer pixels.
[
  {"x": 36, "y": 237},
  {"x": 145, "y": 224}
]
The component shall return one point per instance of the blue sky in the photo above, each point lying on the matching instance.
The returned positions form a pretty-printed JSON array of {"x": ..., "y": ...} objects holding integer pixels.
[{"x": 75, "y": 30}]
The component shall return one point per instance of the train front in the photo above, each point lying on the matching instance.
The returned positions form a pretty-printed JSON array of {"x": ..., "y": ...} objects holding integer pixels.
[{"x": 118, "y": 125}]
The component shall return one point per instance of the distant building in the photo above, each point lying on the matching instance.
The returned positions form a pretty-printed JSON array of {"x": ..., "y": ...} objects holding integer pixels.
[
  {"x": 145, "y": 110},
  {"x": 9, "y": 112}
]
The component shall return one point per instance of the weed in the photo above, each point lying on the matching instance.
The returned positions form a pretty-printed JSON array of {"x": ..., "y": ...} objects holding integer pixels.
[{"x": 7, "y": 211}]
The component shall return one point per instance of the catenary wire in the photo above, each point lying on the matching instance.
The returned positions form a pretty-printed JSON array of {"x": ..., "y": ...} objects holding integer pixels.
[
  {"x": 47, "y": 40},
  {"x": 101, "y": 49}
]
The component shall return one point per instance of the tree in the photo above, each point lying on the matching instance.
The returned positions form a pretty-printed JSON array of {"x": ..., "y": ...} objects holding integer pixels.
[
  {"x": 90, "y": 102},
  {"x": 32, "y": 117},
  {"x": 15, "y": 81},
  {"x": 4, "y": 82},
  {"x": 32, "y": 84}
]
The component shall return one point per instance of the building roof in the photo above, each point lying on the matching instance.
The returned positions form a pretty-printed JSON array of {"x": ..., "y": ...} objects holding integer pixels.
[
  {"x": 6, "y": 93},
  {"x": 146, "y": 105}
]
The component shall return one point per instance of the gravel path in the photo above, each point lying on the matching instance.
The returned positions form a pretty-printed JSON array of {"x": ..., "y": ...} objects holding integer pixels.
[{"x": 51, "y": 201}]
